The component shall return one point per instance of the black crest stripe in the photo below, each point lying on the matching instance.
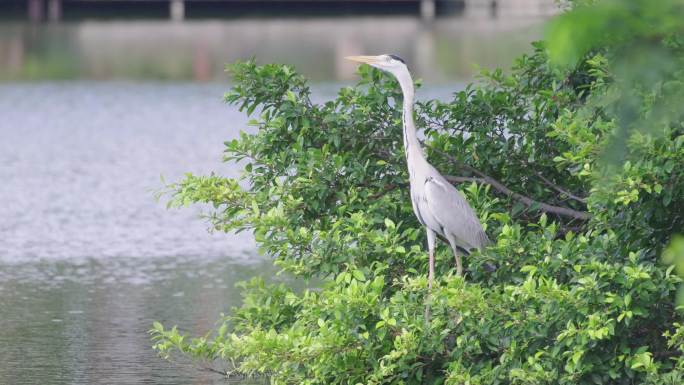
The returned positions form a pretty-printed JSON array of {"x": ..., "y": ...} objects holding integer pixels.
[{"x": 395, "y": 57}]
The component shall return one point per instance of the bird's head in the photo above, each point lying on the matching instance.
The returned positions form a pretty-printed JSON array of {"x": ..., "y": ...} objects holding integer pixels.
[{"x": 388, "y": 63}]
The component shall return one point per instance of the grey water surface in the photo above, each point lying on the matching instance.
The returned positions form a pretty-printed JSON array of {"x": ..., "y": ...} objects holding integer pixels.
[{"x": 88, "y": 258}]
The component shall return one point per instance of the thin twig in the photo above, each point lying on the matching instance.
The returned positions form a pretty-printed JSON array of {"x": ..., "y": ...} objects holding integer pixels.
[
  {"x": 667, "y": 354},
  {"x": 387, "y": 188},
  {"x": 559, "y": 189},
  {"x": 463, "y": 179},
  {"x": 210, "y": 369}
]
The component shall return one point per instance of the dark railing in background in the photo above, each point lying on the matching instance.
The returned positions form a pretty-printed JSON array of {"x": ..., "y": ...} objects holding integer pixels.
[{"x": 56, "y": 10}]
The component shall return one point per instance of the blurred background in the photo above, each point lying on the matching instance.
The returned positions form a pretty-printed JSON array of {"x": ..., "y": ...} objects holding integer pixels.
[
  {"x": 101, "y": 99},
  {"x": 191, "y": 40}
]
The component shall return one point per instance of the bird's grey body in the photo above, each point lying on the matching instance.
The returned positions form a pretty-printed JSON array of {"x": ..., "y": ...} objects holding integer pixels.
[{"x": 438, "y": 205}]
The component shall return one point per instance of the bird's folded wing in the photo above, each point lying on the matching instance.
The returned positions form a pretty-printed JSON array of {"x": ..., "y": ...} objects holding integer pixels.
[{"x": 454, "y": 214}]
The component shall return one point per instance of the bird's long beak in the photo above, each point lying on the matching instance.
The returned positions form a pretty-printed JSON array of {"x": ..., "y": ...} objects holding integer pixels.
[{"x": 364, "y": 59}]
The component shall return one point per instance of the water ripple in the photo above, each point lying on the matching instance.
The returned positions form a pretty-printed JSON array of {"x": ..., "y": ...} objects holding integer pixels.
[{"x": 80, "y": 162}]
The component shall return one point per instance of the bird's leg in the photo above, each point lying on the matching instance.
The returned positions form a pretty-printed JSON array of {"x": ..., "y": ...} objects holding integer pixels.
[
  {"x": 431, "y": 253},
  {"x": 459, "y": 266},
  {"x": 431, "y": 269}
]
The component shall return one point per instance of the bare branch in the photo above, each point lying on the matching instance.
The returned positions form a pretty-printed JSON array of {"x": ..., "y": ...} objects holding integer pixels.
[{"x": 527, "y": 201}]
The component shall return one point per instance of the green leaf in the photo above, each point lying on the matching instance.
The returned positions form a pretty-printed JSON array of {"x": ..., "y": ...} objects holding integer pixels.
[{"x": 358, "y": 275}]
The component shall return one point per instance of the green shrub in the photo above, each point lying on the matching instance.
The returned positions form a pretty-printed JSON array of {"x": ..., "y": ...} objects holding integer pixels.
[{"x": 578, "y": 296}]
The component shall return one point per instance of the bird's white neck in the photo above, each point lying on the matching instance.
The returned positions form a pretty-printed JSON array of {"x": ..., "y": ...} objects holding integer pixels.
[{"x": 411, "y": 143}]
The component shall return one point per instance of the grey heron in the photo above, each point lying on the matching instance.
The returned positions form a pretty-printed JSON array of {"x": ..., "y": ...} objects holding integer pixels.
[{"x": 438, "y": 205}]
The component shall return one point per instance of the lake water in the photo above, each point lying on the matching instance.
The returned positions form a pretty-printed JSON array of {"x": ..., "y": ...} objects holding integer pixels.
[{"x": 88, "y": 258}]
